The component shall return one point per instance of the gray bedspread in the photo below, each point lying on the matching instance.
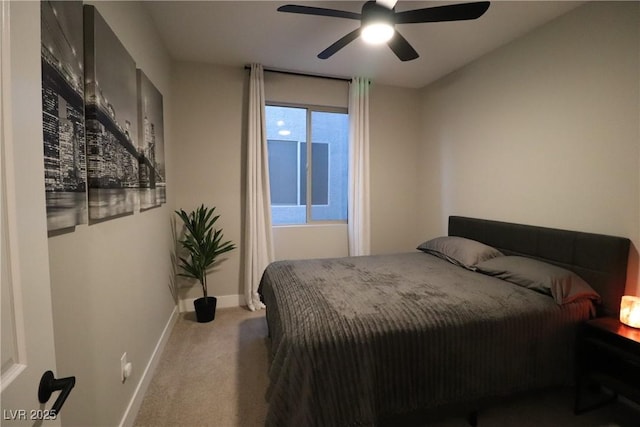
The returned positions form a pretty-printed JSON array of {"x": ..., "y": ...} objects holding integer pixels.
[{"x": 358, "y": 340}]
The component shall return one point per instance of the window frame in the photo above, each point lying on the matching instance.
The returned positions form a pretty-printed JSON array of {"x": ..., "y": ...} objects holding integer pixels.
[{"x": 310, "y": 108}]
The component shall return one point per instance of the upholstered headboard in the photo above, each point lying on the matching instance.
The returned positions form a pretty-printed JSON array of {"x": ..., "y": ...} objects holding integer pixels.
[{"x": 599, "y": 259}]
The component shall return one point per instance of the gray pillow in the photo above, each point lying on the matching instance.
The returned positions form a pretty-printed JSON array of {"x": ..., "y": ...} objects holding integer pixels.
[
  {"x": 563, "y": 285},
  {"x": 459, "y": 250}
]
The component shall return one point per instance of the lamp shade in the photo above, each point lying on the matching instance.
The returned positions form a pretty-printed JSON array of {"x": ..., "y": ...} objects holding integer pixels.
[{"x": 630, "y": 311}]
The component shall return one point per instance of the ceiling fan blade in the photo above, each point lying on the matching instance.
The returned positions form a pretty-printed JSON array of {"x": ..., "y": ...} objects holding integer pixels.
[
  {"x": 453, "y": 12},
  {"x": 319, "y": 11},
  {"x": 401, "y": 47},
  {"x": 339, "y": 44}
]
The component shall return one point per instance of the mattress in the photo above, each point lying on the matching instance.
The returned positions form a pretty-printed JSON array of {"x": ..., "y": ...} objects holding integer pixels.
[{"x": 360, "y": 340}]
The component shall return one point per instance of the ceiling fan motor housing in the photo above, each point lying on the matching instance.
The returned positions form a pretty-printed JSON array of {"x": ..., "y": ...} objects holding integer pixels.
[{"x": 372, "y": 13}]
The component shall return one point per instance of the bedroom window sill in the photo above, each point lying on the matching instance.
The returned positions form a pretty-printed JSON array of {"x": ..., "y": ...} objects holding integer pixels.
[{"x": 311, "y": 225}]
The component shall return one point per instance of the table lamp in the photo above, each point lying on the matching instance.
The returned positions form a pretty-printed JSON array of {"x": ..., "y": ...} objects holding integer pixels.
[{"x": 630, "y": 311}]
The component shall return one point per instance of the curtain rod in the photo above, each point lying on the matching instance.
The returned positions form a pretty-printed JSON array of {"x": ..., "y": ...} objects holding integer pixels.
[{"x": 296, "y": 73}]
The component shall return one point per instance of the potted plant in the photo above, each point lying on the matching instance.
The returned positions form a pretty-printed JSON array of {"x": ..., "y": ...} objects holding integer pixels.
[{"x": 203, "y": 244}]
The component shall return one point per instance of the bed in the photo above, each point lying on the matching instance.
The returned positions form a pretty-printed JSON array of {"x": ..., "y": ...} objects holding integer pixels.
[{"x": 388, "y": 339}]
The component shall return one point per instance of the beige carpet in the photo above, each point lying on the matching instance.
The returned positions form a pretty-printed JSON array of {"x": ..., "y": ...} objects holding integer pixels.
[
  {"x": 215, "y": 374},
  {"x": 211, "y": 374}
]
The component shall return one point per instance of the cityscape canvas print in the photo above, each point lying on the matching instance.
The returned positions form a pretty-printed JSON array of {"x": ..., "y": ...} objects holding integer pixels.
[
  {"x": 65, "y": 171},
  {"x": 111, "y": 117},
  {"x": 150, "y": 144}
]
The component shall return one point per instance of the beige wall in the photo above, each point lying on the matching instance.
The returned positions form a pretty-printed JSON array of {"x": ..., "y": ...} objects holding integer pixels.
[
  {"x": 310, "y": 241},
  {"x": 207, "y": 130},
  {"x": 109, "y": 281},
  {"x": 395, "y": 138},
  {"x": 304, "y": 90},
  {"x": 543, "y": 131}
]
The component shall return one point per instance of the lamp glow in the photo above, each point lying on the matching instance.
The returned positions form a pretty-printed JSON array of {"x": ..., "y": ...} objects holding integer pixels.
[
  {"x": 630, "y": 311},
  {"x": 377, "y": 33}
]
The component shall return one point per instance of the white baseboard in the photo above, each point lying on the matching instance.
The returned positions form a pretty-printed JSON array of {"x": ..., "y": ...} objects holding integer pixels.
[
  {"x": 131, "y": 412},
  {"x": 224, "y": 301}
]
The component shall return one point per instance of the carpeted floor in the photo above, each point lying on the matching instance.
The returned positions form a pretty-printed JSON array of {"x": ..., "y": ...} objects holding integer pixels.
[{"x": 215, "y": 374}]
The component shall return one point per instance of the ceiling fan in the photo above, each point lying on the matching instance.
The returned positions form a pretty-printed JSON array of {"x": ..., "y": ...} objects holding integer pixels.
[{"x": 378, "y": 20}]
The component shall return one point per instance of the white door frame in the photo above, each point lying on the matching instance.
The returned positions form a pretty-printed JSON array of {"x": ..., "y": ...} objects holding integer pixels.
[{"x": 26, "y": 293}]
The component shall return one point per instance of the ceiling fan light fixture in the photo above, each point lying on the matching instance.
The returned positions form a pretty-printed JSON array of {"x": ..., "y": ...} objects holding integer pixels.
[
  {"x": 377, "y": 32},
  {"x": 378, "y": 19}
]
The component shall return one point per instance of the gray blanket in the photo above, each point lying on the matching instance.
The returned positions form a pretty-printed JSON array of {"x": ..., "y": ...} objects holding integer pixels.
[{"x": 361, "y": 339}]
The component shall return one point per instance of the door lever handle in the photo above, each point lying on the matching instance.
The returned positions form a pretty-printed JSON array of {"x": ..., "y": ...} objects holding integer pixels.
[{"x": 49, "y": 384}]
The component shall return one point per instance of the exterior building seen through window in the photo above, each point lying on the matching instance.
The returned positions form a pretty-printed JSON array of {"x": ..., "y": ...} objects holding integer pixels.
[{"x": 307, "y": 185}]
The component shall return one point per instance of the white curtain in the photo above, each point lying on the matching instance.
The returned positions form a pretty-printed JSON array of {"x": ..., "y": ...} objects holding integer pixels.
[
  {"x": 258, "y": 244},
  {"x": 359, "y": 222}
]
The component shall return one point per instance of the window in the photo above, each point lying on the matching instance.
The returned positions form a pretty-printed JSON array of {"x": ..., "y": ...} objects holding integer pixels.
[{"x": 307, "y": 185}]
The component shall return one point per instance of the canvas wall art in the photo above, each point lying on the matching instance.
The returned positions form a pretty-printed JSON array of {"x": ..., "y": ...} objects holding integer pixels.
[
  {"x": 150, "y": 144},
  {"x": 65, "y": 172},
  {"x": 111, "y": 117}
]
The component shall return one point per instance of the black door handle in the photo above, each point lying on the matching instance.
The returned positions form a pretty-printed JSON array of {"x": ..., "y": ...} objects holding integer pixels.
[{"x": 49, "y": 384}]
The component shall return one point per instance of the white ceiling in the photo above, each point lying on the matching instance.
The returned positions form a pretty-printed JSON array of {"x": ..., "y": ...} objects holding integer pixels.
[{"x": 241, "y": 32}]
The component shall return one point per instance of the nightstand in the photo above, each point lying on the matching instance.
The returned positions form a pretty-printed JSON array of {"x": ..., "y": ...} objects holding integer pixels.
[{"x": 607, "y": 354}]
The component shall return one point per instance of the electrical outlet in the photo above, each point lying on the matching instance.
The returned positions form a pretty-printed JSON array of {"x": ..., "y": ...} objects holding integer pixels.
[{"x": 123, "y": 365}]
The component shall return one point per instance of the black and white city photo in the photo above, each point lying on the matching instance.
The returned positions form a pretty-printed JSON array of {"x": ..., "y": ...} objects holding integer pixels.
[
  {"x": 111, "y": 121},
  {"x": 150, "y": 144},
  {"x": 65, "y": 170}
]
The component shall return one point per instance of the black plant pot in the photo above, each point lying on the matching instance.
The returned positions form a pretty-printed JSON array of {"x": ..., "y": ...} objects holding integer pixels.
[{"x": 205, "y": 309}]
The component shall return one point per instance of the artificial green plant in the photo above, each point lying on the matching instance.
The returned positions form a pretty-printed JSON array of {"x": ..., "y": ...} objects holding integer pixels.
[{"x": 202, "y": 242}]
